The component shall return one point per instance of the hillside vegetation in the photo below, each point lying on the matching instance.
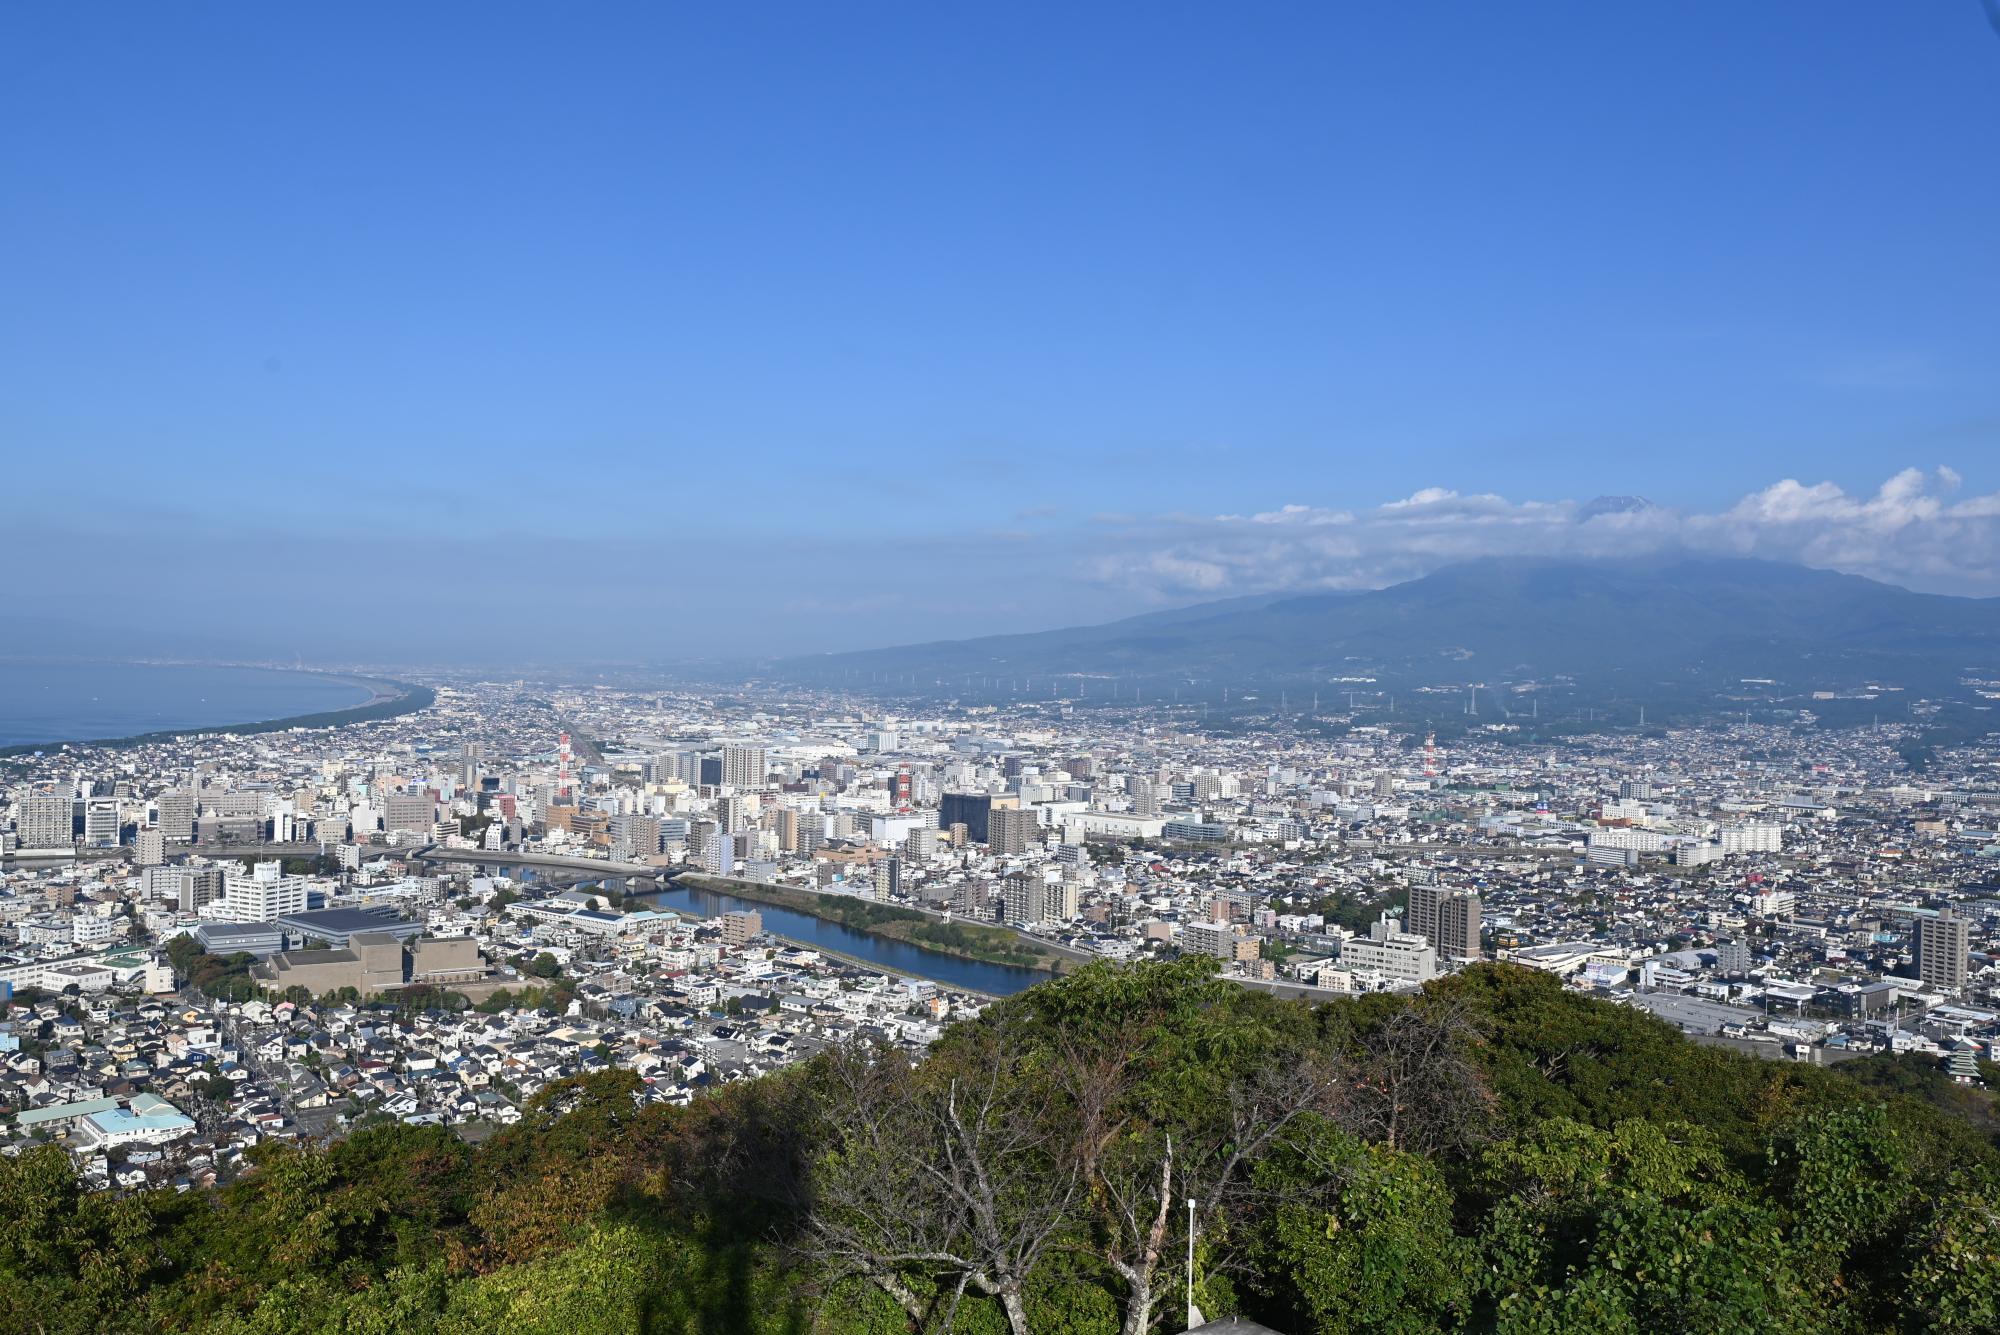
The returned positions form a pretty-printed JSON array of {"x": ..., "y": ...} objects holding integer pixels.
[{"x": 1496, "y": 1154}]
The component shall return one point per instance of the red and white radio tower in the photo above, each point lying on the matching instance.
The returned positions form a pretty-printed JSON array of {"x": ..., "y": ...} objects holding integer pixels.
[
  {"x": 562, "y": 767},
  {"x": 1430, "y": 755}
]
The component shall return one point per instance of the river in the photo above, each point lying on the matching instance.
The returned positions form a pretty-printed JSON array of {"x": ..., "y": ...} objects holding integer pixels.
[{"x": 973, "y": 975}]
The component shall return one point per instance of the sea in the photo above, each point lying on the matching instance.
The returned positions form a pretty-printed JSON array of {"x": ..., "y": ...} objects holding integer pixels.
[{"x": 93, "y": 701}]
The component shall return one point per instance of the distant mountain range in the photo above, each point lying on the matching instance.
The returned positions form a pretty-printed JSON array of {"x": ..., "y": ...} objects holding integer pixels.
[{"x": 1684, "y": 622}]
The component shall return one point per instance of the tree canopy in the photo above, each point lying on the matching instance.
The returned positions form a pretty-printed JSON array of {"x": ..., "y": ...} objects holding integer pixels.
[{"x": 1494, "y": 1154}]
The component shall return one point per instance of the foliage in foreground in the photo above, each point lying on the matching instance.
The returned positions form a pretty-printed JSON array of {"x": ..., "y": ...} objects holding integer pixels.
[{"x": 1495, "y": 1155}]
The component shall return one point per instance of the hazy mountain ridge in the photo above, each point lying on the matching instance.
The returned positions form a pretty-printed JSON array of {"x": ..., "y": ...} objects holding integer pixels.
[{"x": 1708, "y": 618}]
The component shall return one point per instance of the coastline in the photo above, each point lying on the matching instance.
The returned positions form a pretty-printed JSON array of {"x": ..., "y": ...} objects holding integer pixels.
[
  {"x": 813, "y": 903},
  {"x": 387, "y": 698}
]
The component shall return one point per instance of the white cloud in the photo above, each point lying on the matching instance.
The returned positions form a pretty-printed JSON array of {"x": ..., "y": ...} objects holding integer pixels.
[{"x": 1908, "y": 531}]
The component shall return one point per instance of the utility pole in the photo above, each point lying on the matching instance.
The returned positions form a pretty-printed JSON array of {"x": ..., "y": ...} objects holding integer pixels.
[{"x": 1194, "y": 1317}]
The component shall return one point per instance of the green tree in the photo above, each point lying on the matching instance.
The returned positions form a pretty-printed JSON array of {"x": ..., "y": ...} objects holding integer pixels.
[{"x": 1359, "y": 1238}]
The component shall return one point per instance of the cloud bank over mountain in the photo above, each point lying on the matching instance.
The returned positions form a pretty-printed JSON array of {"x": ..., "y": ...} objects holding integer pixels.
[{"x": 1913, "y": 530}]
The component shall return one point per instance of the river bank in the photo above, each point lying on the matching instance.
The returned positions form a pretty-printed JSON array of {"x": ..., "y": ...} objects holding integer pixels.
[
  {"x": 867, "y": 949},
  {"x": 982, "y": 942}
]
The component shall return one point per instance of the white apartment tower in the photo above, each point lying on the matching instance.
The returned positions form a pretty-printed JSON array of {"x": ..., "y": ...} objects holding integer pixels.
[
  {"x": 743, "y": 767},
  {"x": 263, "y": 894}
]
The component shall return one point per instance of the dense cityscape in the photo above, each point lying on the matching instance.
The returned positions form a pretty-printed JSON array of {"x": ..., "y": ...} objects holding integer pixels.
[
  {"x": 800, "y": 669},
  {"x": 219, "y": 940}
]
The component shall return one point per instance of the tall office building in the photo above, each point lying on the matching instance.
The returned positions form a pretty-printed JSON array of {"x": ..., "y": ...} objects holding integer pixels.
[
  {"x": 743, "y": 767},
  {"x": 412, "y": 812},
  {"x": 1012, "y": 830},
  {"x": 973, "y": 811},
  {"x": 1458, "y": 928},
  {"x": 177, "y": 815},
  {"x": 45, "y": 820},
  {"x": 1942, "y": 944},
  {"x": 469, "y": 756}
]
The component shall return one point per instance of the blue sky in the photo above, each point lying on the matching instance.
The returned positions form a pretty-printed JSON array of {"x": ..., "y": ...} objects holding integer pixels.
[{"x": 750, "y": 328}]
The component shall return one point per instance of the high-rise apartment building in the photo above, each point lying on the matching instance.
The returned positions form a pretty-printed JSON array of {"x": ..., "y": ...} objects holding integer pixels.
[
  {"x": 1753, "y": 838},
  {"x": 197, "y": 888},
  {"x": 972, "y": 899},
  {"x": 100, "y": 822},
  {"x": 45, "y": 820},
  {"x": 640, "y": 835},
  {"x": 718, "y": 850},
  {"x": 1060, "y": 900},
  {"x": 731, "y": 812},
  {"x": 1021, "y": 898},
  {"x": 739, "y": 928},
  {"x": 743, "y": 767},
  {"x": 1145, "y": 797},
  {"x": 177, "y": 815},
  {"x": 263, "y": 894},
  {"x": 1012, "y": 831},
  {"x": 1942, "y": 945},
  {"x": 1421, "y": 917},
  {"x": 1458, "y": 928},
  {"x": 1209, "y": 938}
]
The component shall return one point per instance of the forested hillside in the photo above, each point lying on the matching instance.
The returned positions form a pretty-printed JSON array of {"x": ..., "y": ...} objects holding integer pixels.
[{"x": 1496, "y": 1154}]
